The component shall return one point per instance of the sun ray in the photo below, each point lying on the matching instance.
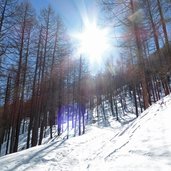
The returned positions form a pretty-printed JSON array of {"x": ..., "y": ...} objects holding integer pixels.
[{"x": 93, "y": 43}]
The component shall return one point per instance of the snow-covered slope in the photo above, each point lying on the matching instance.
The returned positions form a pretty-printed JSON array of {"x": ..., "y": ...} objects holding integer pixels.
[{"x": 143, "y": 144}]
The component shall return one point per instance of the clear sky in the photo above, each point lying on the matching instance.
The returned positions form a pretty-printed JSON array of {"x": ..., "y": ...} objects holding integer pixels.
[{"x": 72, "y": 11}]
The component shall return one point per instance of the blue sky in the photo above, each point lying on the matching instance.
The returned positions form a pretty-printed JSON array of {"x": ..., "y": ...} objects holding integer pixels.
[
  {"x": 75, "y": 13},
  {"x": 72, "y": 11}
]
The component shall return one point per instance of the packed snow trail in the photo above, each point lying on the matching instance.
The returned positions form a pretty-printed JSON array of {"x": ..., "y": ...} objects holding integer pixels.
[
  {"x": 75, "y": 153},
  {"x": 144, "y": 144}
]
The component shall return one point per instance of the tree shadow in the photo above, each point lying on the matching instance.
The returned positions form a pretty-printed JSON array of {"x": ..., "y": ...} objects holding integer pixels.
[
  {"x": 124, "y": 121},
  {"x": 36, "y": 156}
]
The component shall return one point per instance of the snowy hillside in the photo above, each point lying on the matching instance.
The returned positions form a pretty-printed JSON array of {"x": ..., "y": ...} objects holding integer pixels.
[{"x": 143, "y": 144}]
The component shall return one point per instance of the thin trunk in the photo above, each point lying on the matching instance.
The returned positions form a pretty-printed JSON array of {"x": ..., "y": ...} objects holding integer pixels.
[
  {"x": 79, "y": 92},
  {"x": 8, "y": 140},
  {"x": 116, "y": 108},
  {"x": 19, "y": 117},
  {"x": 141, "y": 61},
  {"x": 163, "y": 24},
  {"x": 135, "y": 101}
]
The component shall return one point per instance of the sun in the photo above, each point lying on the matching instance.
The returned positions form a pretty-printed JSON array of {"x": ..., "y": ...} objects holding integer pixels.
[{"x": 93, "y": 43}]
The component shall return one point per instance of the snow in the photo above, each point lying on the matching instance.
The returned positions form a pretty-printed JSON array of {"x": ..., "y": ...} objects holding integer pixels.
[{"x": 142, "y": 144}]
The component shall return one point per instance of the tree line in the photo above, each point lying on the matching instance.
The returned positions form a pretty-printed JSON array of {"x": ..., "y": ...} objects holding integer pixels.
[
  {"x": 42, "y": 85},
  {"x": 144, "y": 40}
]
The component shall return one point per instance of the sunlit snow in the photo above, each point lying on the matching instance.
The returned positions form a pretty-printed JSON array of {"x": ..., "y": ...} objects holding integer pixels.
[{"x": 143, "y": 144}]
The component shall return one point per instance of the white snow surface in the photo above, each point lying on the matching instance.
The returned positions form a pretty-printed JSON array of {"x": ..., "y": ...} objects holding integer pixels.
[{"x": 143, "y": 144}]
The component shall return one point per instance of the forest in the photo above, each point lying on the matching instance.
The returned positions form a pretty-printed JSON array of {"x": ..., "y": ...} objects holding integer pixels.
[{"x": 43, "y": 84}]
